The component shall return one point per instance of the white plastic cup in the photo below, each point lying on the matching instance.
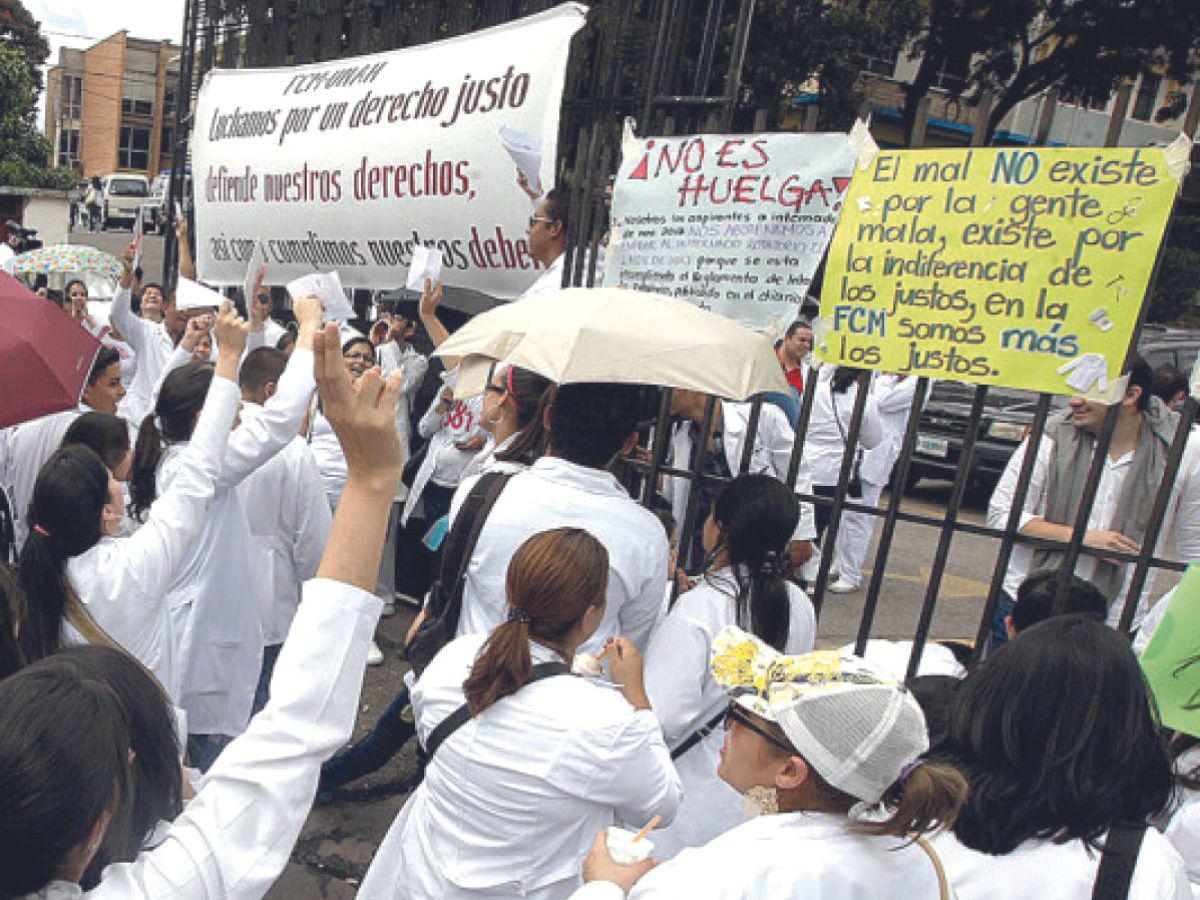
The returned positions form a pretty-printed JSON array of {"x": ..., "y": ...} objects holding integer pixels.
[{"x": 623, "y": 850}]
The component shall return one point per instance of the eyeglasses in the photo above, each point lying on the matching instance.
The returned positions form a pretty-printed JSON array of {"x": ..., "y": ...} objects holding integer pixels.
[
  {"x": 495, "y": 389},
  {"x": 533, "y": 220},
  {"x": 359, "y": 357},
  {"x": 735, "y": 713}
]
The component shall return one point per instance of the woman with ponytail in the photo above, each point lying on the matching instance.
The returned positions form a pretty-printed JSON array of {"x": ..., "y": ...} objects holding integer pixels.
[
  {"x": 217, "y": 593},
  {"x": 745, "y": 537},
  {"x": 514, "y": 410},
  {"x": 76, "y": 574},
  {"x": 541, "y": 758},
  {"x": 834, "y": 749}
]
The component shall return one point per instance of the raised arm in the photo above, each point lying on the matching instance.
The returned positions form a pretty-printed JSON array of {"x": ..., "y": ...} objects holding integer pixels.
[
  {"x": 136, "y": 331},
  {"x": 187, "y": 267},
  {"x": 430, "y": 298},
  {"x": 235, "y": 837},
  {"x": 153, "y": 553},
  {"x": 256, "y": 441}
]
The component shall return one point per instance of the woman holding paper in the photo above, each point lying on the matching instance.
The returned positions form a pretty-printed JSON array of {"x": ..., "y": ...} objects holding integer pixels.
[
  {"x": 216, "y": 597},
  {"x": 73, "y": 558},
  {"x": 512, "y": 796}
]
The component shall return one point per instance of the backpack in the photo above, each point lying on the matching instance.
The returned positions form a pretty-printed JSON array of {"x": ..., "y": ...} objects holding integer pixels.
[{"x": 444, "y": 607}]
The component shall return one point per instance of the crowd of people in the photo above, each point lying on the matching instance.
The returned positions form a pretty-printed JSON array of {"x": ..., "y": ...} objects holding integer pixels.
[{"x": 207, "y": 543}]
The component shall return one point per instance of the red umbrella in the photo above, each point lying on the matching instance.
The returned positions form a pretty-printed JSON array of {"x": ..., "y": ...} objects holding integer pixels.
[{"x": 45, "y": 355}]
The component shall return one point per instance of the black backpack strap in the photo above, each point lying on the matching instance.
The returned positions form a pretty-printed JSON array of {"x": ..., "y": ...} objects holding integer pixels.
[
  {"x": 460, "y": 545},
  {"x": 698, "y": 735},
  {"x": 462, "y": 715},
  {"x": 1117, "y": 862}
]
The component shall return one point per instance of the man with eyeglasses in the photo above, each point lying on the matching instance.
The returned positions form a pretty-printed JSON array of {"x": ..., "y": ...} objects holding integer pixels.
[{"x": 547, "y": 234}]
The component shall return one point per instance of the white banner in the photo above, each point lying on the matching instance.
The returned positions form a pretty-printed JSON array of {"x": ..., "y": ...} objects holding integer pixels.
[
  {"x": 349, "y": 164},
  {"x": 735, "y": 223}
]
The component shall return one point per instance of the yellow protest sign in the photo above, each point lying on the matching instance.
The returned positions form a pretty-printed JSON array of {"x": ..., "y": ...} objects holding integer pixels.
[{"x": 1018, "y": 267}]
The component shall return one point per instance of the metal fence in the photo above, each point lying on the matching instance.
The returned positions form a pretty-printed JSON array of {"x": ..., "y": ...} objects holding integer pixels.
[{"x": 675, "y": 65}]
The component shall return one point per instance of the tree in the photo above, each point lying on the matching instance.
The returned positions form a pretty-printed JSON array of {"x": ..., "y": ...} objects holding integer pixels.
[
  {"x": 21, "y": 32},
  {"x": 24, "y": 152},
  {"x": 796, "y": 42},
  {"x": 1085, "y": 48}
]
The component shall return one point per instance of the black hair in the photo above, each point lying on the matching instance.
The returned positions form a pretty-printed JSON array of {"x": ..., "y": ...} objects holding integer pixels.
[
  {"x": 287, "y": 339},
  {"x": 64, "y": 521},
  {"x": 758, "y": 515},
  {"x": 590, "y": 423},
  {"x": 935, "y": 695},
  {"x": 106, "y": 357},
  {"x": 358, "y": 339},
  {"x": 179, "y": 403},
  {"x": 262, "y": 366},
  {"x": 1141, "y": 376},
  {"x": 1035, "y": 599},
  {"x": 1167, "y": 383},
  {"x": 64, "y": 762},
  {"x": 843, "y": 377},
  {"x": 11, "y": 657},
  {"x": 1059, "y": 737},
  {"x": 67, "y": 287},
  {"x": 157, "y": 785},
  {"x": 796, "y": 326},
  {"x": 558, "y": 207},
  {"x": 106, "y": 434},
  {"x": 531, "y": 393}
]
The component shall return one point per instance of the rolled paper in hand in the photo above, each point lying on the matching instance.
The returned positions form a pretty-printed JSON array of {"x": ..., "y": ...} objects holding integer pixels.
[{"x": 624, "y": 847}]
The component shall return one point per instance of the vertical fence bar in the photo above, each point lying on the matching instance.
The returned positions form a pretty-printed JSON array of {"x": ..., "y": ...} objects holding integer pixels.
[
  {"x": 756, "y": 405},
  {"x": 733, "y": 80},
  {"x": 694, "y": 478},
  {"x": 806, "y": 406},
  {"x": 1008, "y": 542},
  {"x": 895, "y": 497},
  {"x": 829, "y": 537},
  {"x": 658, "y": 452},
  {"x": 1157, "y": 512},
  {"x": 947, "y": 531}
]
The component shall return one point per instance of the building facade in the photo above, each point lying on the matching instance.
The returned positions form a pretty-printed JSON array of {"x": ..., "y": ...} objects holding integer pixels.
[{"x": 111, "y": 107}]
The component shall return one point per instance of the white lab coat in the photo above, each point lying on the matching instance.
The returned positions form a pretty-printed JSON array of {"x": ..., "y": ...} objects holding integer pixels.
[
  {"x": 511, "y": 802},
  {"x": 771, "y": 455},
  {"x": 331, "y": 462},
  {"x": 290, "y": 520},
  {"x": 444, "y": 462},
  {"x": 1180, "y": 521},
  {"x": 122, "y": 581},
  {"x": 1049, "y": 871},
  {"x": 216, "y": 597},
  {"x": 553, "y": 493},
  {"x": 153, "y": 345},
  {"x": 824, "y": 445},
  {"x": 893, "y": 400},
  {"x": 1182, "y": 829},
  {"x": 685, "y": 698},
  {"x": 232, "y": 841},
  {"x": 790, "y": 856},
  {"x": 30, "y": 444},
  {"x": 414, "y": 366}
]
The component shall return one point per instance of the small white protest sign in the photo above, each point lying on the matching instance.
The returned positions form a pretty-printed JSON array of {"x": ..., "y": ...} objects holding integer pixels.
[
  {"x": 426, "y": 263},
  {"x": 526, "y": 152},
  {"x": 191, "y": 295},
  {"x": 326, "y": 287}
]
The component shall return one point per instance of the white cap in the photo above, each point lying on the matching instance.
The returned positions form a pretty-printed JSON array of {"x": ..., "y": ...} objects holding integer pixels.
[{"x": 849, "y": 720}]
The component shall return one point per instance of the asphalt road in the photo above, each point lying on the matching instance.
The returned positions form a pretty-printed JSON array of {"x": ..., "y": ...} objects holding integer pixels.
[{"x": 339, "y": 839}]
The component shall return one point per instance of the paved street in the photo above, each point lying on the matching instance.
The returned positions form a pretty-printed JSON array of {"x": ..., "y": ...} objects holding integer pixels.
[{"x": 339, "y": 839}]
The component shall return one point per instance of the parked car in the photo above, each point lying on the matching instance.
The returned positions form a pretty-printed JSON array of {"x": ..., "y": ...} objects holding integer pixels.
[
  {"x": 121, "y": 197},
  {"x": 1008, "y": 415},
  {"x": 153, "y": 208}
]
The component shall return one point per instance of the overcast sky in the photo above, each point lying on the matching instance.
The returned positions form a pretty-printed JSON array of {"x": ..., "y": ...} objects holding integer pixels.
[{"x": 81, "y": 23}]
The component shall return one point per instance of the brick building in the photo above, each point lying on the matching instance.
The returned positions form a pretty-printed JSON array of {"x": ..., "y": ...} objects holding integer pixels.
[{"x": 111, "y": 107}]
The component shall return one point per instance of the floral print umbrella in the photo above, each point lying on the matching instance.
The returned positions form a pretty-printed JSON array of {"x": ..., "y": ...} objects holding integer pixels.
[{"x": 71, "y": 259}]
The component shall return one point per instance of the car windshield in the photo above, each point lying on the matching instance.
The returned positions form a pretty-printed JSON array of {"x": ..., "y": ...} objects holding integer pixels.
[{"x": 127, "y": 187}]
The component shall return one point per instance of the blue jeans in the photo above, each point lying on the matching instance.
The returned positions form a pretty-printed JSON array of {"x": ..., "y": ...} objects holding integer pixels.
[
  {"x": 262, "y": 692},
  {"x": 374, "y": 751},
  {"x": 203, "y": 749},
  {"x": 1004, "y": 608}
]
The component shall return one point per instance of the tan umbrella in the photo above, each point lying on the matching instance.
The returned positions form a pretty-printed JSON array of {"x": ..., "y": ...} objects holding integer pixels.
[{"x": 612, "y": 334}]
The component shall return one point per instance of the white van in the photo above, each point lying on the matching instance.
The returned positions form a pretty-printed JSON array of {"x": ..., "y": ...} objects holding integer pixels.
[{"x": 121, "y": 197}]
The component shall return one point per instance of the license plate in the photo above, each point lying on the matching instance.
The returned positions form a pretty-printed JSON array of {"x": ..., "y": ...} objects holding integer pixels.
[{"x": 933, "y": 446}]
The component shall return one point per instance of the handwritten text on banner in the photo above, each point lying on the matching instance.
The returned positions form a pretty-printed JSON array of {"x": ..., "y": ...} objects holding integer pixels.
[{"x": 1016, "y": 267}]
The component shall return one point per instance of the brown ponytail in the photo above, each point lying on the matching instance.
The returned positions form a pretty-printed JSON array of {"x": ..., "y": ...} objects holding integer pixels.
[
  {"x": 929, "y": 799},
  {"x": 553, "y": 579}
]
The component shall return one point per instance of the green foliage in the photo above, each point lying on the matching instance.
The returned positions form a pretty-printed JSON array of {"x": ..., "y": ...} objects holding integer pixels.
[
  {"x": 24, "y": 152},
  {"x": 1086, "y": 48},
  {"x": 793, "y": 41},
  {"x": 1177, "y": 291},
  {"x": 20, "y": 31}
]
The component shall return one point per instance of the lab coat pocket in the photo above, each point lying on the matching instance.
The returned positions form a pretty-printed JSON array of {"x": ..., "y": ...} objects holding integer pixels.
[{"x": 214, "y": 666}]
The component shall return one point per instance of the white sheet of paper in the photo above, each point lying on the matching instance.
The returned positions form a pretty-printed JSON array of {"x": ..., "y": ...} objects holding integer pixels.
[
  {"x": 327, "y": 287},
  {"x": 137, "y": 240},
  {"x": 526, "y": 152},
  {"x": 426, "y": 263},
  {"x": 252, "y": 269},
  {"x": 190, "y": 295}
]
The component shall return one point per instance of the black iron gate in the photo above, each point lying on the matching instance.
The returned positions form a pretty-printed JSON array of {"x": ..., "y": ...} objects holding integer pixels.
[{"x": 676, "y": 66}]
